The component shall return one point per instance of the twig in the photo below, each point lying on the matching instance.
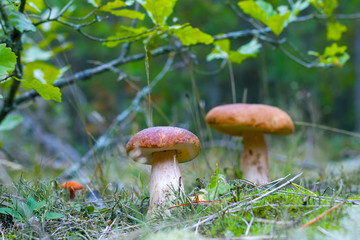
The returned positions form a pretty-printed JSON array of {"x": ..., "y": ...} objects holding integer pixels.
[
  {"x": 328, "y": 234},
  {"x": 250, "y": 223},
  {"x": 108, "y": 228},
  {"x": 88, "y": 73},
  {"x": 317, "y": 16},
  {"x": 298, "y": 60},
  {"x": 314, "y": 220}
]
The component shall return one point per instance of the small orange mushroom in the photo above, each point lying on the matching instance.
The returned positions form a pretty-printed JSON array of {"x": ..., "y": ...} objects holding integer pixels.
[{"x": 72, "y": 186}]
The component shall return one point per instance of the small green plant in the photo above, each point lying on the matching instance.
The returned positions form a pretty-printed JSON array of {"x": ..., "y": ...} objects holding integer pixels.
[
  {"x": 22, "y": 211},
  {"x": 218, "y": 185}
]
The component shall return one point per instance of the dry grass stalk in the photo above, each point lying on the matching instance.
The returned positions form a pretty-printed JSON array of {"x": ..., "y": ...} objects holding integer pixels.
[{"x": 312, "y": 221}]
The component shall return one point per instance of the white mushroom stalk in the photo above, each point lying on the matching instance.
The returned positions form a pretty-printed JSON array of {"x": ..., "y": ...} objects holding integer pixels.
[
  {"x": 254, "y": 161},
  {"x": 165, "y": 179}
]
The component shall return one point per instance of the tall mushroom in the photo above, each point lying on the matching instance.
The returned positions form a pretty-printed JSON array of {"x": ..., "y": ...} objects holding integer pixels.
[
  {"x": 163, "y": 148},
  {"x": 251, "y": 121}
]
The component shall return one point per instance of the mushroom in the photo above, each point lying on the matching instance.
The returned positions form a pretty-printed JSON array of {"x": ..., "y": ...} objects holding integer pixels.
[
  {"x": 163, "y": 148},
  {"x": 251, "y": 121},
  {"x": 72, "y": 186}
]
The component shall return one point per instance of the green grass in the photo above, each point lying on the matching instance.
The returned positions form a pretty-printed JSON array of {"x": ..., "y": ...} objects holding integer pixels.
[
  {"x": 39, "y": 208},
  {"x": 122, "y": 214}
]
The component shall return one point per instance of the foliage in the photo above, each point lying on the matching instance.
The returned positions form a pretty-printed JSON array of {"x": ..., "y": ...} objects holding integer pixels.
[
  {"x": 217, "y": 186},
  {"x": 7, "y": 60},
  {"x": 15, "y": 18},
  {"x": 46, "y": 46},
  {"x": 22, "y": 212}
]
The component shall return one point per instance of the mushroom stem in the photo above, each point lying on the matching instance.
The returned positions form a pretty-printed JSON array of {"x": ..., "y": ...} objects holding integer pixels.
[
  {"x": 72, "y": 194},
  {"x": 165, "y": 177},
  {"x": 254, "y": 161}
]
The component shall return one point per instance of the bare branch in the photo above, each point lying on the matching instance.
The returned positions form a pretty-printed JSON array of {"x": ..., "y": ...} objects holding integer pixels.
[
  {"x": 298, "y": 60},
  {"x": 317, "y": 16}
]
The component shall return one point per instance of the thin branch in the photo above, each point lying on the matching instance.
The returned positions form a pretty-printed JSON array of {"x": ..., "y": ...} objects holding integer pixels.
[
  {"x": 244, "y": 17},
  {"x": 317, "y": 16},
  {"x": 78, "y": 27},
  {"x": 90, "y": 72},
  {"x": 242, "y": 33},
  {"x": 64, "y": 8},
  {"x": 298, "y": 60}
]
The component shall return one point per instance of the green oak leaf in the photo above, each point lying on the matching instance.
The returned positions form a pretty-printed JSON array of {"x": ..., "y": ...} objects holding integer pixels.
[
  {"x": 253, "y": 9},
  {"x": 222, "y": 51},
  {"x": 10, "y": 122},
  {"x": 217, "y": 186},
  {"x": 189, "y": 35},
  {"x": 299, "y": 6},
  {"x": 325, "y": 6},
  {"x": 334, "y": 31},
  {"x": 40, "y": 76},
  {"x": 266, "y": 7},
  {"x": 7, "y": 60},
  {"x": 129, "y": 34},
  {"x": 223, "y": 45},
  {"x": 334, "y": 49},
  {"x": 333, "y": 55},
  {"x": 35, "y": 6},
  {"x": 128, "y": 13},
  {"x": 159, "y": 10},
  {"x": 95, "y": 3},
  {"x": 237, "y": 57},
  {"x": 329, "y": 6},
  {"x": 276, "y": 22},
  {"x": 251, "y": 48},
  {"x": 21, "y": 22},
  {"x": 264, "y": 12},
  {"x": 296, "y": 8},
  {"x": 110, "y": 6}
]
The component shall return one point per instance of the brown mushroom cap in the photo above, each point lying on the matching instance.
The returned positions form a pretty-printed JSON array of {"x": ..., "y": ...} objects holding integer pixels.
[
  {"x": 235, "y": 119},
  {"x": 156, "y": 139}
]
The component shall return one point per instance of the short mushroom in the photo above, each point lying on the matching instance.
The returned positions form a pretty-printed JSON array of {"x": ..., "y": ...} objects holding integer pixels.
[
  {"x": 251, "y": 121},
  {"x": 163, "y": 148},
  {"x": 72, "y": 186}
]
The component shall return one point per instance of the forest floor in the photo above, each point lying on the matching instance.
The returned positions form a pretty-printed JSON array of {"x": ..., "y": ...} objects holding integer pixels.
[
  {"x": 304, "y": 202},
  {"x": 223, "y": 209}
]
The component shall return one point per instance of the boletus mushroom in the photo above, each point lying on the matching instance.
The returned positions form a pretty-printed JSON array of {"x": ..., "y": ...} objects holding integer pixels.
[
  {"x": 163, "y": 148},
  {"x": 251, "y": 121}
]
